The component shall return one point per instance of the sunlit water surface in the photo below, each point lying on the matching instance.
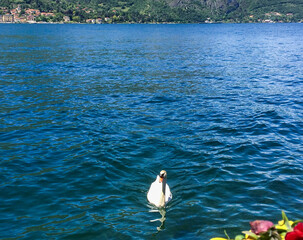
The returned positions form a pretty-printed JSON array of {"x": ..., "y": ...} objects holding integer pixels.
[{"x": 91, "y": 113}]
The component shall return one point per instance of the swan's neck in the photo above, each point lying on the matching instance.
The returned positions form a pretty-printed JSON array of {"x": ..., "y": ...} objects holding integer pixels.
[{"x": 162, "y": 198}]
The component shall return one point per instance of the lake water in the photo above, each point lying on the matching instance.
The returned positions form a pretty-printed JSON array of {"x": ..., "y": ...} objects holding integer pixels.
[{"x": 90, "y": 114}]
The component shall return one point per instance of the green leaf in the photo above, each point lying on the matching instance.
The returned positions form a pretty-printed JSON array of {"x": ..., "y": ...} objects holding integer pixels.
[
  {"x": 283, "y": 234},
  {"x": 282, "y": 231},
  {"x": 226, "y": 235},
  {"x": 295, "y": 223},
  {"x": 286, "y": 222},
  {"x": 239, "y": 237},
  {"x": 251, "y": 234},
  {"x": 271, "y": 234}
]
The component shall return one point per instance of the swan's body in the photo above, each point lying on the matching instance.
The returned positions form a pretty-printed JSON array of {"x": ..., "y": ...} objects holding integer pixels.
[{"x": 159, "y": 192}]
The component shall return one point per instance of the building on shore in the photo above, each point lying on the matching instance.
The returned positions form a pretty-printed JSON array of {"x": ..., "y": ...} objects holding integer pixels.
[
  {"x": 21, "y": 19},
  {"x": 66, "y": 19},
  {"x": 30, "y": 18},
  {"x": 93, "y": 21},
  {"x": 7, "y": 18}
]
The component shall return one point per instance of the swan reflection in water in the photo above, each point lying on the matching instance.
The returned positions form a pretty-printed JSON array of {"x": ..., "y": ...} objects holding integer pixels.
[{"x": 162, "y": 212}]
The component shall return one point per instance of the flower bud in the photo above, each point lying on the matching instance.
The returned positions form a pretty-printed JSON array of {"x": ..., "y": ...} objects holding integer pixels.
[{"x": 260, "y": 226}]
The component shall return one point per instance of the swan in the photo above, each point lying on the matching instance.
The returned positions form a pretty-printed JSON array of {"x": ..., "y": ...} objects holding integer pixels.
[{"x": 159, "y": 192}]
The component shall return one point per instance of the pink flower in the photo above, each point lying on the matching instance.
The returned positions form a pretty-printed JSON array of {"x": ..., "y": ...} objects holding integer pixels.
[
  {"x": 296, "y": 234},
  {"x": 260, "y": 226}
]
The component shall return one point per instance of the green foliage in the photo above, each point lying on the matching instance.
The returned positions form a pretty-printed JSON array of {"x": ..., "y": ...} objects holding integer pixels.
[
  {"x": 239, "y": 237},
  {"x": 145, "y": 11}
]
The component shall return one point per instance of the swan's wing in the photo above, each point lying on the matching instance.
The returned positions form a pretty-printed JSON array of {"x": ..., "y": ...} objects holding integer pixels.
[
  {"x": 154, "y": 193},
  {"x": 168, "y": 194}
]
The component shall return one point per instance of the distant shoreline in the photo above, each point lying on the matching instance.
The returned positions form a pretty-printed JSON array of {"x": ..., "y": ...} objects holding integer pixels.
[
  {"x": 145, "y": 12},
  {"x": 151, "y": 23}
]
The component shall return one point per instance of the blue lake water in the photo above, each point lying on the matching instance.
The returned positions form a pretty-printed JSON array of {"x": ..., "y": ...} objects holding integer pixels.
[{"x": 90, "y": 114}]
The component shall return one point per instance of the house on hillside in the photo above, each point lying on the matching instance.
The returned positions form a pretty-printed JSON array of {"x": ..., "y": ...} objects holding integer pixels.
[
  {"x": 30, "y": 18},
  {"x": 48, "y": 14},
  {"x": 66, "y": 19},
  {"x": 35, "y": 12}
]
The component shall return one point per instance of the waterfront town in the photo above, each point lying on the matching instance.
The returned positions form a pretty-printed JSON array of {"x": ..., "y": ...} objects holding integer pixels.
[
  {"x": 29, "y": 15},
  {"x": 18, "y": 15}
]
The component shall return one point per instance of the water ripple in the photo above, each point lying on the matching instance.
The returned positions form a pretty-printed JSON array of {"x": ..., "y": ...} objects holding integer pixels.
[{"x": 90, "y": 114}]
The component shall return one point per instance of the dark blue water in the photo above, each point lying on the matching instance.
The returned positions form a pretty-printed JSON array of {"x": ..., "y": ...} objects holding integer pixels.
[{"x": 89, "y": 114}]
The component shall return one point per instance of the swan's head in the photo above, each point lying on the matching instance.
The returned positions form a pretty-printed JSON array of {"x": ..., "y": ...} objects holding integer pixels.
[{"x": 162, "y": 175}]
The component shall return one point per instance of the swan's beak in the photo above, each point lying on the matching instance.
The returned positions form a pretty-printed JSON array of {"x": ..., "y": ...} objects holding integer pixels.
[{"x": 161, "y": 179}]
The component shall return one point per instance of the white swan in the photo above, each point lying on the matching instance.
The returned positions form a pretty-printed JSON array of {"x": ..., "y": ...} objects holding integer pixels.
[{"x": 159, "y": 192}]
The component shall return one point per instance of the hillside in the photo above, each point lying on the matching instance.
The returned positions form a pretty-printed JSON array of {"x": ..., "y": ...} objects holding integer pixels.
[{"x": 147, "y": 11}]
